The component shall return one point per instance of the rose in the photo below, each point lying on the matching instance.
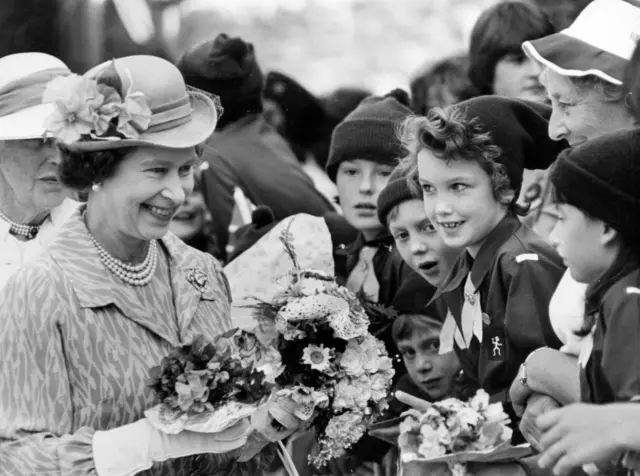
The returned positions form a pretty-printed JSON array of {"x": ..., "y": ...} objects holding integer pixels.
[{"x": 351, "y": 361}]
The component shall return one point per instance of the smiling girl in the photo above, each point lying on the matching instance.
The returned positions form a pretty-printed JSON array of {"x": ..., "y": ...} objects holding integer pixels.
[{"x": 468, "y": 162}]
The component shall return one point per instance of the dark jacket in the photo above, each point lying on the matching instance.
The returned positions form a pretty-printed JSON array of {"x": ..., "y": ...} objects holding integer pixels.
[
  {"x": 251, "y": 155},
  {"x": 612, "y": 372},
  {"x": 516, "y": 273}
]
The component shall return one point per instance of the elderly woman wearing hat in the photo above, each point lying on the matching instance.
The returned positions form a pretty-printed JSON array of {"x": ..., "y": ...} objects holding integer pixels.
[
  {"x": 114, "y": 293},
  {"x": 582, "y": 70},
  {"x": 32, "y": 200}
]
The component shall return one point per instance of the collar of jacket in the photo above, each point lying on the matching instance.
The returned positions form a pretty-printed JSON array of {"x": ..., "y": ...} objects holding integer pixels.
[
  {"x": 482, "y": 263},
  {"x": 382, "y": 239}
]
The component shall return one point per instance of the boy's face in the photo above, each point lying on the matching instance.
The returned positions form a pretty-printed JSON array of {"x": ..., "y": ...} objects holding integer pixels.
[
  {"x": 419, "y": 244},
  {"x": 458, "y": 199},
  {"x": 582, "y": 243},
  {"x": 434, "y": 373},
  {"x": 359, "y": 183}
]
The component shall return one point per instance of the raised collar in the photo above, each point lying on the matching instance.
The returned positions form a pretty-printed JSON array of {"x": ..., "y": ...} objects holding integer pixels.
[
  {"x": 382, "y": 239},
  {"x": 482, "y": 263},
  {"x": 95, "y": 286}
]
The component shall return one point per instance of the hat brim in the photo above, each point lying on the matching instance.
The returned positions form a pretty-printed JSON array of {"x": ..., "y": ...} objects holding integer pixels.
[
  {"x": 201, "y": 124},
  {"x": 25, "y": 124},
  {"x": 569, "y": 56}
]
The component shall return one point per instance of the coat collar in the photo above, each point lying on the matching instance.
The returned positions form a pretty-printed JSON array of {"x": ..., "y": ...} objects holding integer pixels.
[
  {"x": 484, "y": 259},
  {"x": 382, "y": 239},
  {"x": 95, "y": 286}
]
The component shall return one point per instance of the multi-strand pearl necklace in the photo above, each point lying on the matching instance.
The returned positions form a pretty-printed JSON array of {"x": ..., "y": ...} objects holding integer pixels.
[
  {"x": 27, "y": 231},
  {"x": 135, "y": 275}
]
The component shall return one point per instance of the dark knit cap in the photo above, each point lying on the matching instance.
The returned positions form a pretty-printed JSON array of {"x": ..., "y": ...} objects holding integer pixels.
[
  {"x": 520, "y": 128},
  {"x": 394, "y": 193},
  {"x": 601, "y": 177},
  {"x": 369, "y": 132},
  {"x": 306, "y": 120},
  {"x": 226, "y": 67}
]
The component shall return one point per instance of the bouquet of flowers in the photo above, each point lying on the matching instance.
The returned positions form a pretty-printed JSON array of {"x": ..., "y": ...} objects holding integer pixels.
[
  {"x": 456, "y": 432},
  {"x": 337, "y": 376},
  {"x": 208, "y": 387}
]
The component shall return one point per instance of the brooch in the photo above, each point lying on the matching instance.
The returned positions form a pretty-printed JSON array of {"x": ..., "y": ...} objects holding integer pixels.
[{"x": 197, "y": 278}]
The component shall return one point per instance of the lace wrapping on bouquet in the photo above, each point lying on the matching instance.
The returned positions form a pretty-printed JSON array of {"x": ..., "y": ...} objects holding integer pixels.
[{"x": 258, "y": 271}]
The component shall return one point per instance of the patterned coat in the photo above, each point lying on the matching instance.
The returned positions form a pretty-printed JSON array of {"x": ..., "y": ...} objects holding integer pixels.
[{"x": 76, "y": 346}]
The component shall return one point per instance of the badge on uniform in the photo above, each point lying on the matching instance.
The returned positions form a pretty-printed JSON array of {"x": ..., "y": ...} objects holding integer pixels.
[{"x": 494, "y": 343}]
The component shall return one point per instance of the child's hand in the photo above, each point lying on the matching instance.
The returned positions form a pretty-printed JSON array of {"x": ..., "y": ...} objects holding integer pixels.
[
  {"x": 581, "y": 434},
  {"x": 537, "y": 405}
]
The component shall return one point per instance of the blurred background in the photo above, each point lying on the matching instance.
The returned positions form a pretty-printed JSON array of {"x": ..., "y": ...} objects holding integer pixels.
[{"x": 376, "y": 44}]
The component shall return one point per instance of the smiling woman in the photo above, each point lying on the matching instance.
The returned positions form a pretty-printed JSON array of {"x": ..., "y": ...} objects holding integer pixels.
[{"x": 116, "y": 292}]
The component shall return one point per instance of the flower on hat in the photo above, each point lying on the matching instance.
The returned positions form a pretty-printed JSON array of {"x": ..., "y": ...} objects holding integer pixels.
[{"x": 95, "y": 109}]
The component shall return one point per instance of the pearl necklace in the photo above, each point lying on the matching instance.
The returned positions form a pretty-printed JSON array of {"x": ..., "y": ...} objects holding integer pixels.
[
  {"x": 27, "y": 231},
  {"x": 135, "y": 275}
]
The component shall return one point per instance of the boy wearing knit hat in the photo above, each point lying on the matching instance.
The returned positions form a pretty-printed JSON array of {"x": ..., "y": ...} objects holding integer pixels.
[
  {"x": 400, "y": 208},
  {"x": 364, "y": 150}
]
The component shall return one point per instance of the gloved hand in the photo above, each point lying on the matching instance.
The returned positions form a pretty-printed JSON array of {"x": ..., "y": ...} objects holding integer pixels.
[{"x": 139, "y": 445}]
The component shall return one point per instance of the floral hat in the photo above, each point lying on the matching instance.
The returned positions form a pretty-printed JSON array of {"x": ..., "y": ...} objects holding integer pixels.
[
  {"x": 599, "y": 42},
  {"x": 132, "y": 101}
]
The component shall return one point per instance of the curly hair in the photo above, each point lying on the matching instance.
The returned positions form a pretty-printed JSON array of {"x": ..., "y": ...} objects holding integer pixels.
[
  {"x": 80, "y": 170},
  {"x": 451, "y": 136}
]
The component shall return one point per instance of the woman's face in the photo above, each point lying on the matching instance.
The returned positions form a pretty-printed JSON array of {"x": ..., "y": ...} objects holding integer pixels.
[
  {"x": 359, "y": 184},
  {"x": 29, "y": 174},
  {"x": 579, "y": 115},
  {"x": 146, "y": 191}
]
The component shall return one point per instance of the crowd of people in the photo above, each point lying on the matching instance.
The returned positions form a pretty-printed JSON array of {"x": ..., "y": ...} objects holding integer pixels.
[{"x": 492, "y": 209}]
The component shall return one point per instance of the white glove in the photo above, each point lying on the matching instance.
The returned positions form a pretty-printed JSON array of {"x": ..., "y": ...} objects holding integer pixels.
[{"x": 139, "y": 445}]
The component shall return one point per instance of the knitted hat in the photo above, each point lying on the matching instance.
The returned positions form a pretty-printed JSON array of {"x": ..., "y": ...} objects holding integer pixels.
[
  {"x": 226, "y": 67},
  {"x": 305, "y": 117},
  {"x": 369, "y": 132},
  {"x": 600, "y": 177},
  {"x": 394, "y": 193},
  {"x": 520, "y": 128}
]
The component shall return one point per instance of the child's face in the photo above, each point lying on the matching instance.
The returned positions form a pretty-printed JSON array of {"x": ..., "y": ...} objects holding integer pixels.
[
  {"x": 419, "y": 244},
  {"x": 582, "y": 243},
  {"x": 434, "y": 373},
  {"x": 359, "y": 183},
  {"x": 458, "y": 199}
]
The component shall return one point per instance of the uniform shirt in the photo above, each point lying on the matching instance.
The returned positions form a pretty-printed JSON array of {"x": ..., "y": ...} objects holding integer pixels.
[
  {"x": 516, "y": 273},
  {"x": 14, "y": 253},
  {"x": 611, "y": 372}
]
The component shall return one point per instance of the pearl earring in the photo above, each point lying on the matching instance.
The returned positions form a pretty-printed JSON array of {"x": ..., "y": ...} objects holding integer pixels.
[{"x": 96, "y": 186}]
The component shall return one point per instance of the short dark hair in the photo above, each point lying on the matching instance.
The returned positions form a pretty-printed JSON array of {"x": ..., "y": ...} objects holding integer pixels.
[
  {"x": 450, "y": 74},
  {"x": 80, "y": 170},
  {"x": 405, "y": 325},
  {"x": 500, "y": 31}
]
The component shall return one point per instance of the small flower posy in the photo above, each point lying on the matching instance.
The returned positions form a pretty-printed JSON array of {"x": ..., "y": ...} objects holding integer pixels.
[
  {"x": 337, "y": 375},
  {"x": 456, "y": 432},
  {"x": 95, "y": 109}
]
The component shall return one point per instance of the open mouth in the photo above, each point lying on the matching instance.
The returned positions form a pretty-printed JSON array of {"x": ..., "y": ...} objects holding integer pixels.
[
  {"x": 160, "y": 212},
  {"x": 428, "y": 266},
  {"x": 451, "y": 225}
]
